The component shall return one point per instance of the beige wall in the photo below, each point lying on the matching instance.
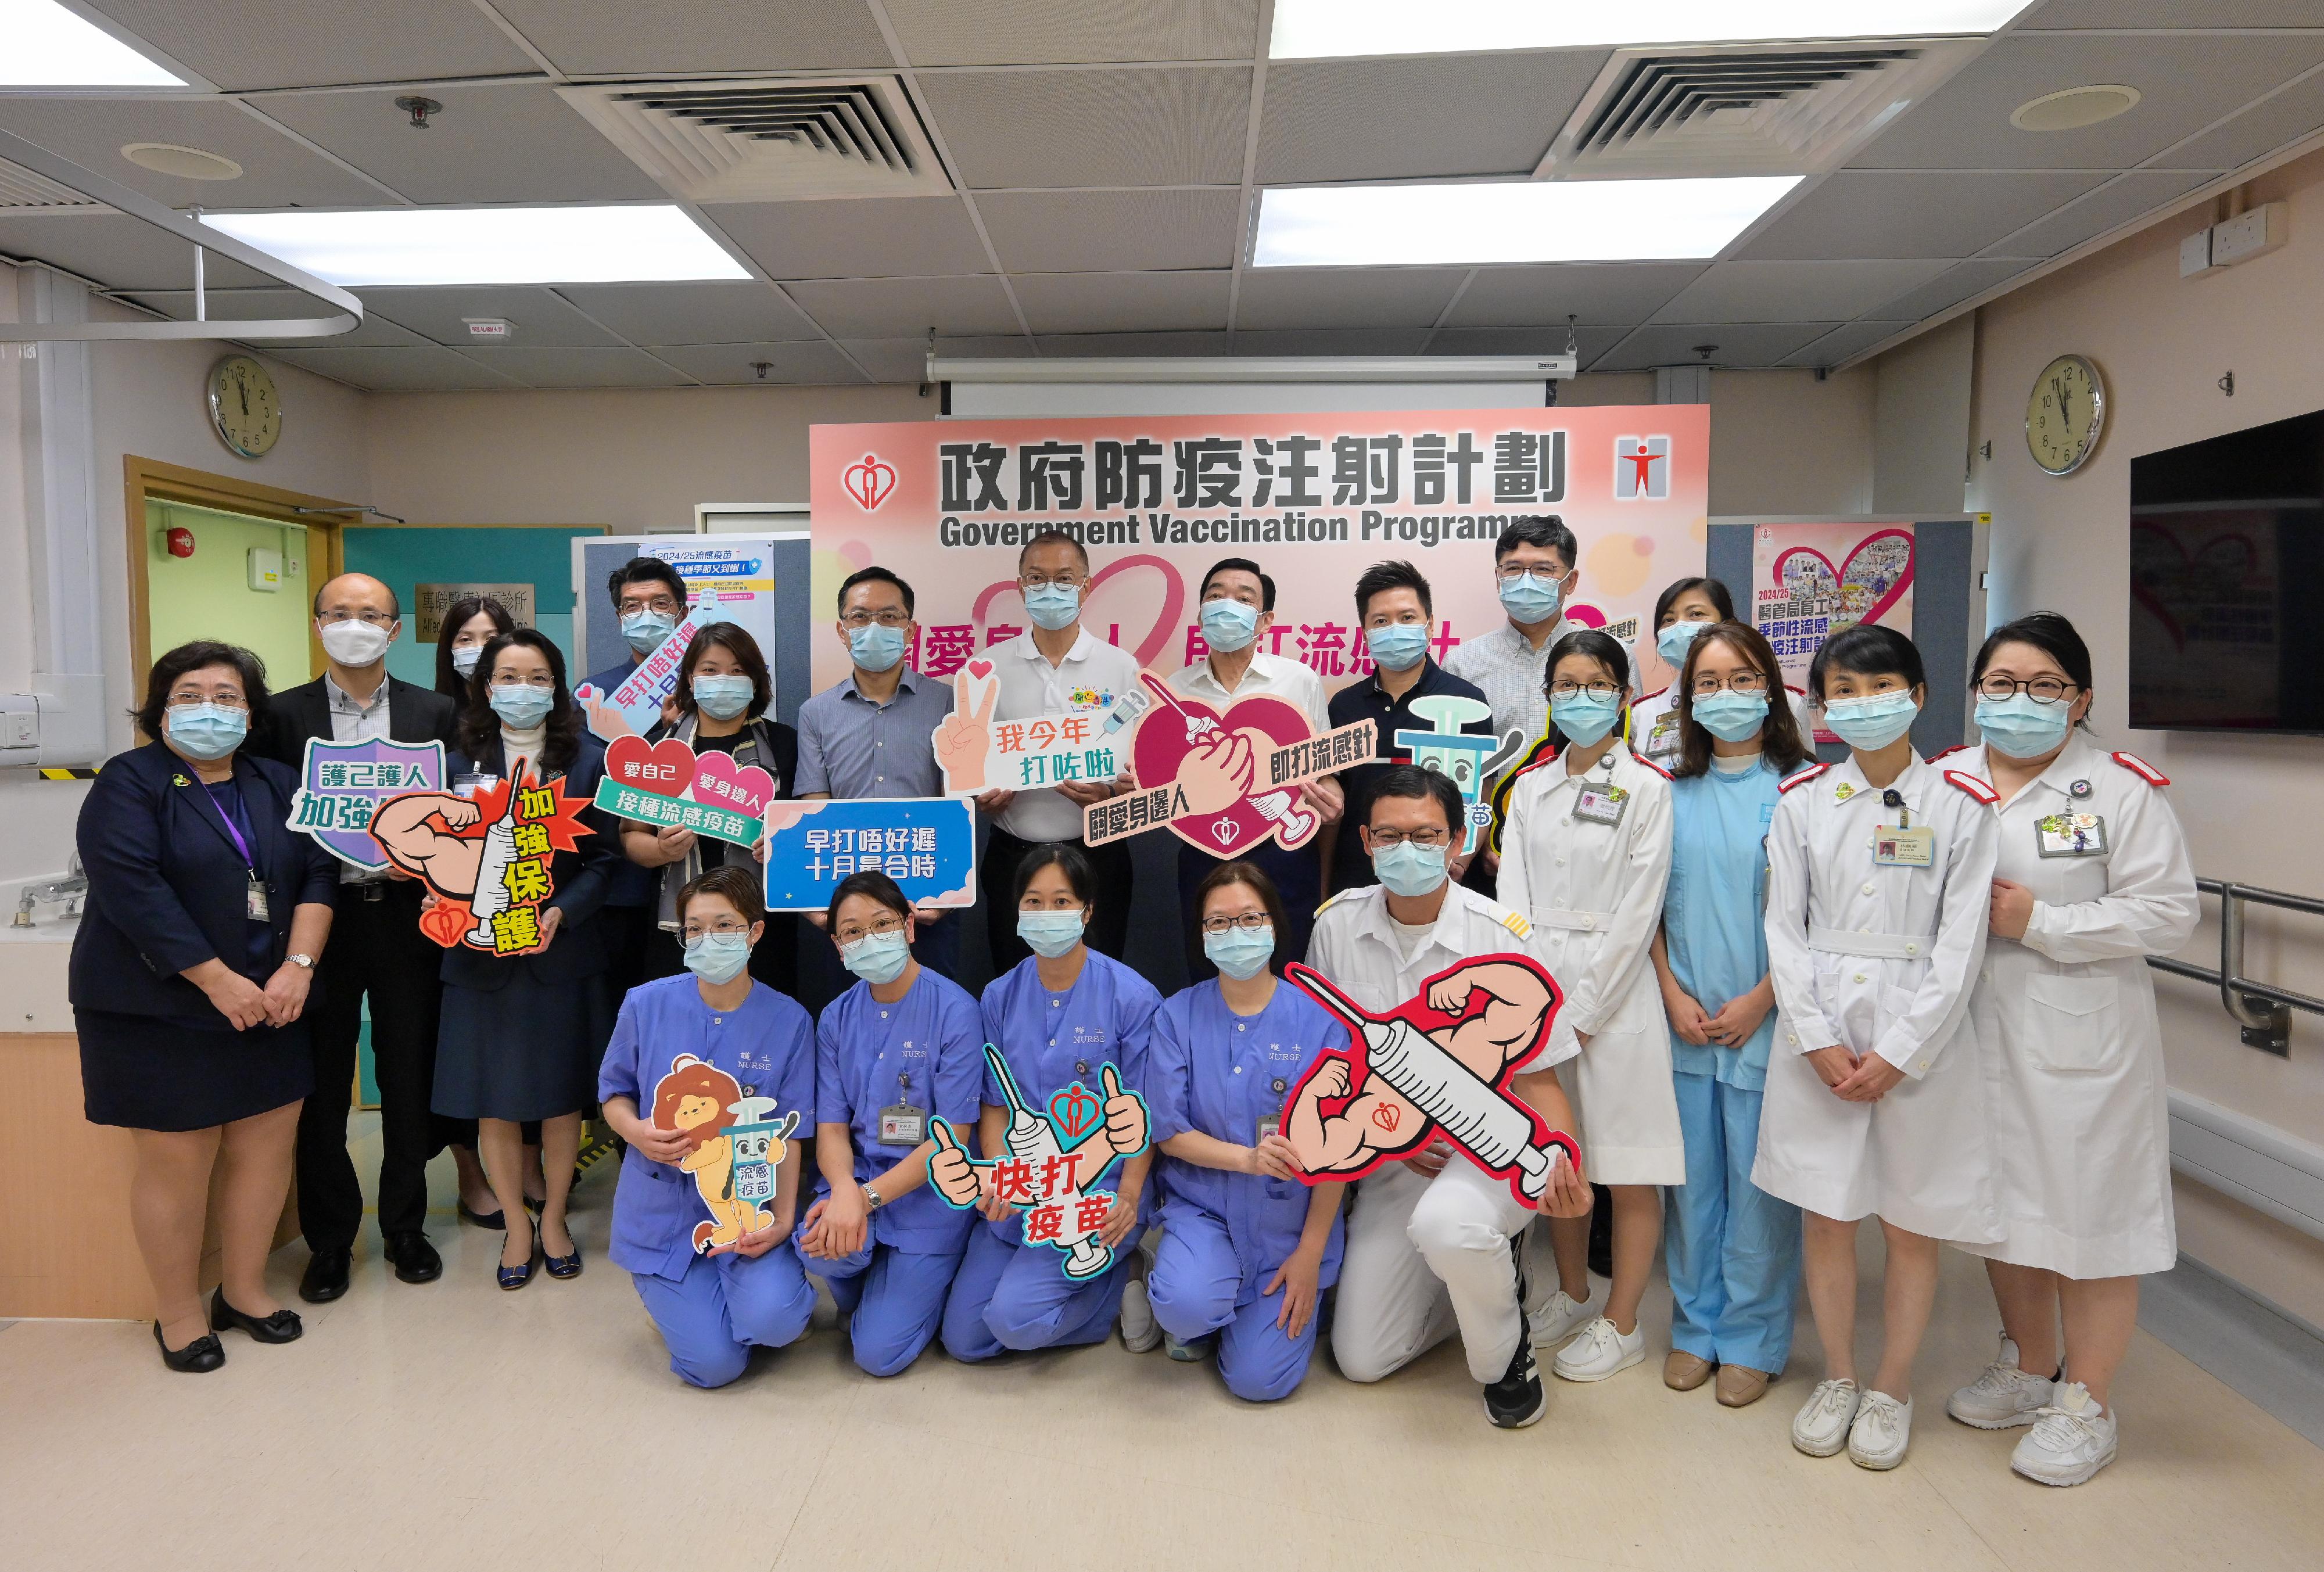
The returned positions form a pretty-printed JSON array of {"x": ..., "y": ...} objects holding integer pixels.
[{"x": 2162, "y": 343}]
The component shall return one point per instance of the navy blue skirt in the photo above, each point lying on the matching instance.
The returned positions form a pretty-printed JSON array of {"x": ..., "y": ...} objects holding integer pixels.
[
  {"x": 143, "y": 1073},
  {"x": 527, "y": 1050}
]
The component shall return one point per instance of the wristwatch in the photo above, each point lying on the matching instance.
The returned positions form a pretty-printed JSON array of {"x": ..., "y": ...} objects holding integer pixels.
[
  {"x": 872, "y": 1201},
  {"x": 304, "y": 962}
]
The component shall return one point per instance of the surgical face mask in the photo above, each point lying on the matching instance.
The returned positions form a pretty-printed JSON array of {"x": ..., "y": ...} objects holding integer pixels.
[
  {"x": 1731, "y": 717},
  {"x": 722, "y": 698},
  {"x": 1053, "y": 606},
  {"x": 717, "y": 958},
  {"x": 1399, "y": 646},
  {"x": 465, "y": 658},
  {"x": 521, "y": 706},
  {"x": 876, "y": 958},
  {"x": 355, "y": 642},
  {"x": 1229, "y": 625},
  {"x": 645, "y": 630},
  {"x": 207, "y": 731},
  {"x": 1531, "y": 598},
  {"x": 1050, "y": 934},
  {"x": 1872, "y": 723},
  {"x": 1585, "y": 717},
  {"x": 1242, "y": 953},
  {"x": 1672, "y": 642},
  {"x": 2022, "y": 729},
  {"x": 875, "y": 646},
  {"x": 1407, "y": 869}
]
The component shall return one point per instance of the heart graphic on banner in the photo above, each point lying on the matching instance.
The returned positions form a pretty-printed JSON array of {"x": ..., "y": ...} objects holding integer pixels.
[
  {"x": 1848, "y": 575},
  {"x": 1162, "y": 746},
  {"x": 717, "y": 778},
  {"x": 2175, "y": 586},
  {"x": 869, "y": 481},
  {"x": 1076, "y": 1110},
  {"x": 666, "y": 767},
  {"x": 1103, "y": 610}
]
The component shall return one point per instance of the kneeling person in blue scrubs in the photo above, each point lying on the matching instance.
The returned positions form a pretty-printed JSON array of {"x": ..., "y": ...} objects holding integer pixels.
[
  {"x": 900, "y": 1045},
  {"x": 680, "y": 1043}
]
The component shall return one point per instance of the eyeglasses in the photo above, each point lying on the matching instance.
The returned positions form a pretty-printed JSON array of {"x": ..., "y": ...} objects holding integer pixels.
[
  {"x": 376, "y": 619},
  {"x": 1066, "y": 580},
  {"x": 877, "y": 928},
  {"x": 662, "y": 603},
  {"x": 1428, "y": 840},
  {"x": 194, "y": 696},
  {"x": 2042, "y": 690},
  {"x": 890, "y": 618},
  {"x": 724, "y": 927},
  {"x": 1509, "y": 573},
  {"x": 1248, "y": 922},
  {"x": 1742, "y": 682},
  {"x": 1564, "y": 689}
]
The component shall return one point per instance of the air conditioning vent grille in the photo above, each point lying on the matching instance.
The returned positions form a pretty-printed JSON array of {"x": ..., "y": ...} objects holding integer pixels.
[{"x": 20, "y": 187}]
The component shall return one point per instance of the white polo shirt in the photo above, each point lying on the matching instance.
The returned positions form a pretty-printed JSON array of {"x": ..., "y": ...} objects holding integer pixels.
[
  {"x": 1357, "y": 945},
  {"x": 1092, "y": 678},
  {"x": 1268, "y": 674}
]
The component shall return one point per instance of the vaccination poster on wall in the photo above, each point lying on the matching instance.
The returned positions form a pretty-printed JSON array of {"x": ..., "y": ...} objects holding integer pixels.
[
  {"x": 1313, "y": 498},
  {"x": 1810, "y": 580},
  {"x": 759, "y": 582}
]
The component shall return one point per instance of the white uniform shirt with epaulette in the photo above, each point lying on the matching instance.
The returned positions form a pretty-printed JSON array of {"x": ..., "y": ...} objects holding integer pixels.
[
  {"x": 1654, "y": 723},
  {"x": 1356, "y": 944}
]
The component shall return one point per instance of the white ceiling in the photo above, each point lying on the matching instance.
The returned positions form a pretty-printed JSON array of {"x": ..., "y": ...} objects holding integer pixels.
[{"x": 1104, "y": 157}]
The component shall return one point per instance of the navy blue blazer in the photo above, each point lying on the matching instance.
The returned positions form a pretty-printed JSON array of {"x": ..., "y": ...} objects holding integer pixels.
[
  {"x": 582, "y": 879},
  {"x": 168, "y": 889}
]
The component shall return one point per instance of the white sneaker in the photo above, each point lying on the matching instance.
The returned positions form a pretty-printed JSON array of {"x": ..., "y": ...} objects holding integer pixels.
[
  {"x": 2002, "y": 1396},
  {"x": 1557, "y": 1321},
  {"x": 1600, "y": 1351},
  {"x": 1140, "y": 1334},
  {"x": 1882, "y": 1430},
  {"x": 1821, "y": 1427},
  {"x": 2072, "y": 1438}
]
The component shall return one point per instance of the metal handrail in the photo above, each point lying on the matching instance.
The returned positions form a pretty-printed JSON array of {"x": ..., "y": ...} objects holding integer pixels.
[{"x": 2263, "y": 1010}]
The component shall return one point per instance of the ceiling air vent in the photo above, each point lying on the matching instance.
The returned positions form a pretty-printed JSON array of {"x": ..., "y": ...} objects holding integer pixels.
[
  {"x": 769, "y": 139},
  {"x": 20, "y": 187},
  {"x": 1757, "y": 109}
]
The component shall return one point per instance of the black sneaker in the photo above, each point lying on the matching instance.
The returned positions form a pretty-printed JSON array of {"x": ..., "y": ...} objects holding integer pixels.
[{"x": 1516, "y": 1400}]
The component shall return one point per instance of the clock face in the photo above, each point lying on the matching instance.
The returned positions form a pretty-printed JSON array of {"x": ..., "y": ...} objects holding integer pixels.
[
  {"x": 246, "y": 410},
  {"x": 2064, "y": 414}
]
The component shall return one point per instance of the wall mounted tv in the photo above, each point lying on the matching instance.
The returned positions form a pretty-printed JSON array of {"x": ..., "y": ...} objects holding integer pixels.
[{"x": 2227, "y": 582}]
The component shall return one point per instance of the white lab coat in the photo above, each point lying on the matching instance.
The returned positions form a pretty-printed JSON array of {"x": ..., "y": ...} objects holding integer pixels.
[
  {"x": 1880, "y": 959},
  {"x": 1653, "y": 724},
  {"x": 2081, "y": 1129},
  {"x": 1594, "y": 895}
]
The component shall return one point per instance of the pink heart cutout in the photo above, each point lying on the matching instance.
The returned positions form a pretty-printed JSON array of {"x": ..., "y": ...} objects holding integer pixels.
[
  {"x": 1884, "y": 600},
  {"x": 744, "y": 787},
  {"x": 1161, "y": 745},
  {"x": 869, "y": 481},
  {"x": 980, "y": 670}
]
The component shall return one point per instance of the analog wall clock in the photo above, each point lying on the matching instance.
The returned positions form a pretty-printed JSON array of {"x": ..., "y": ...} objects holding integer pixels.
[
  {"x": 246, "y": 407},
  {"x": 2065, "y": 413}
]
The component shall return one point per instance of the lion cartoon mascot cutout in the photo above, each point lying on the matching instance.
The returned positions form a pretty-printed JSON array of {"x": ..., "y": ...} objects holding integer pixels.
[{"x": 695, "y": 1098}]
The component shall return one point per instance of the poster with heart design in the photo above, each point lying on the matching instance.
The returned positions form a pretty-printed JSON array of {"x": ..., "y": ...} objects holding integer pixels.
[
  {"x": 635, "y": 707},
  {"x": 667, "y": 785},
  {"x": 978, "y": 753},
  {"x": 1810, "y": 580}
]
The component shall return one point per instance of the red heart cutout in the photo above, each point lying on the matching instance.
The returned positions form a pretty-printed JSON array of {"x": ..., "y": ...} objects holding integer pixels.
[
  {"x": 1882, "y": 598},
  {"x": 666, "y": 769},
  {"x": 1161, "y": 744},
  {"x": 1387, "y": 1118},
  {"x": 980, "y": 670},
  {"x": 869, "y": 481}
]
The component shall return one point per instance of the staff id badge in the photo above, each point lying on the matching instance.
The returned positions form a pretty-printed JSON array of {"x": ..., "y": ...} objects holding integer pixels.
[
  {"x": 1270, "y": 1126},
  {"x": 1600, "y": 804},
  {"x": 1898, "y": 848},
  {"x": 469, "y": 783},
  {"x": 902, "y": 1124},
  {"x": 254, "y": 903},
  {"x": 2070, "y": 835},
  {"x": 1662, "y": 738}
]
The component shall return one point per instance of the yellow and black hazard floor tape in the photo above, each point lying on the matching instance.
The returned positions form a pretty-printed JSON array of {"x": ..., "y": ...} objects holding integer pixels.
[{"x": 74, "y": 773}]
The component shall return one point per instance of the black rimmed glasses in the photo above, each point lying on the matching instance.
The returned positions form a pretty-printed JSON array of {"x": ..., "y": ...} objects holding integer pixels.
[{"x": 2042, "y": 690}]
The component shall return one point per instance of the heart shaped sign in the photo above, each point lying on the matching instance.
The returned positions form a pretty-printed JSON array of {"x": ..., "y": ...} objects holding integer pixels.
[
  {"x": 746, "y": 788},
  {"x": 1076, "y": 1110},
  {"x": 1872, "y": 579},
  {"x": 869, "y": 481},
  {"x": 1161, "y": 745},
  {"x": 665, "y": 768},
  {"x": 980, "y": 670}
]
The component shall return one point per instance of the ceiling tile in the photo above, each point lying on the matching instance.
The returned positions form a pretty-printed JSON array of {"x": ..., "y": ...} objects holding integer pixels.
[
  {"x": 745, "y": 311},
  {"x": 276, "y": 171},
  {"x": 1131, "y": 127},
  {"x": 1295, "y": 298},
  {"x": 2296, "y": 112},
  {"x": 1304, "y": 341},
  {"x": 1596, "y": 292},
  {"x": 267, "y": 43},
  {"x": 738, "y": 363},
  {"x": 1951, "y": 288},
  {"x": 2129, "y": 197},
  {"x": 244, "y": 305},
  {"x": 426, "y": 370},
  {"x": 510, "y": 142},
  {"x": 577, "y": 366},
  {"x": 118, "y": 252},
  {"x": 900, "y": 308},
  {"x": 1746, "y": 347},
  {"x": 539, "y": 314},
  {"x": 870, "y": 237},
  {"x": 1842, "y": 342},
  {"x": 1789, "y": 291},
  {"x": 1134, "y": 344},
  {"x": 1093, "y": 232},
  {"x": 2184, "y": 82},
  {"x": 2172, "y": 13},
  {"x": 1590, "y": 343},
  {"x": 990, "y": 32},
  {"x": 1428, "y": 114},
  {"x": 1123, "y": 302},
  {"x": 700, "y": 37},
  {"x": 1944, "y": 214}
]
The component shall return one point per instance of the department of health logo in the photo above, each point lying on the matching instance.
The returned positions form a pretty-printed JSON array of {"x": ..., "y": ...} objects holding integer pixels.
[
  {"x": 1642, "y": 466},
  {"x": 870, "y": 481}
]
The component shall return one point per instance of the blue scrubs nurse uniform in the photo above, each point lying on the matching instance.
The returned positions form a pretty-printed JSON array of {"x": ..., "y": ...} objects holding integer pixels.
[
  {"x": 1733, "y": 1250},
  {"x": 926, "y": 1050},
  {"x": 1225, "y": 1234},
  {"x": 712, "y": 1310},
  {"x": 1010, "y": 1294}
]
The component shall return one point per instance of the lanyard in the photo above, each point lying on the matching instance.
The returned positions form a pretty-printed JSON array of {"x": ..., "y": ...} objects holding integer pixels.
[{"x": 240, "y": 844}]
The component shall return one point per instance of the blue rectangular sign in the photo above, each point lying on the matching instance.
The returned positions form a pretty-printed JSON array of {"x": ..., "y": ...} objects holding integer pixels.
[{"x": 928, "y": 845}]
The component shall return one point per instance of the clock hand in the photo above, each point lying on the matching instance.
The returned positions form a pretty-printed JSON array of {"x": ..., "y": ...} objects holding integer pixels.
[{"x": 244, "y": 388}]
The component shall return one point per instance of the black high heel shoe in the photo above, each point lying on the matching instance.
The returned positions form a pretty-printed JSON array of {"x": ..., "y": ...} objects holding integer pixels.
[
  {"x": 495, "y": 1220},
  {"x": 198, "y": 1357},
  {"x": 282, "y": 1326}
]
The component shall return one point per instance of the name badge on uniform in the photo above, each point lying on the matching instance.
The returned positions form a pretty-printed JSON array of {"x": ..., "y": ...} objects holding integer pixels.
[
  {"x": 469, "y": 783},
  {"x": 2070, "y": 835},
  {"x": 1600, "y": 804},
  {"x": 254, "y": 901},
  {"x": 1662, "y": 740},
  {"x": 1270, "y": 1126},
  {"x": 902, "y": 1124},
  {"x": 1898, "y": 848}
]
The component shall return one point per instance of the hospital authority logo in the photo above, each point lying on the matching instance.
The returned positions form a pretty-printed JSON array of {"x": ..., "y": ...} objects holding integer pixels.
[
  {"x": 1642, "y": 468},
  {"x": 871, "y": 481}
]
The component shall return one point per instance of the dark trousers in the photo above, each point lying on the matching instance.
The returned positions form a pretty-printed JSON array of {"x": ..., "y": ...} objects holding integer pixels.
[
  {"x": 1109, "y": 923},
  {"x": 1298, "y": 878},
  {"x": 376, "y": 949}
]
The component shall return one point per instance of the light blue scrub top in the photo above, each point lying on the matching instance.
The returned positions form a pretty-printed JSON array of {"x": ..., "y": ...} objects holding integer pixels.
[
  {"x": 926, "y": 1049},
  {"x": 1714, "y": 913}
]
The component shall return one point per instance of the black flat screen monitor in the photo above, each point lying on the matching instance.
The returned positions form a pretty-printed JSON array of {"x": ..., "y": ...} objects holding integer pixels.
[{"x": 2227, "y": 582}]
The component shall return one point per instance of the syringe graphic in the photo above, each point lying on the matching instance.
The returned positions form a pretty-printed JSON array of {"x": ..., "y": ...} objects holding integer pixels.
[
  {"x": 491, "y": 896},
  {"x": 1473, "y": 1115},
  {"x": 1034, "y": 1139}
]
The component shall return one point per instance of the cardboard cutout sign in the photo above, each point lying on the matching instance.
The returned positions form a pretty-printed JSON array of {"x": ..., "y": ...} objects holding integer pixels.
[
  {"x": 1467, "y": 761},
  {"x": 1224, "y": 781},
  {"x": 667, "y": 783},
  {"x": 1051, "y": 1154},
  {"x": 1438, "y": 1063},
  {"x": 733, "y": 1160},
  {"x": 487, "y": 859},
  {"x": 928, "y": 845},
  {"x": 978, "y": 753},
  {"x": 632, "y": 709},
  {"x": 342, "y": 784}
]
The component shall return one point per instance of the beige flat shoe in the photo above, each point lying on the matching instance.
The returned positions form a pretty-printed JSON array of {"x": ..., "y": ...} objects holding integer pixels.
[
  {"x": 1740, "y": 1386},
  {"x": 1682, "y": 1372}
]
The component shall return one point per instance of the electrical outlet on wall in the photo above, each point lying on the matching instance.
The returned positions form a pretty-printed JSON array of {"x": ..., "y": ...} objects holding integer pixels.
[{"x": 2249, "y": 234}]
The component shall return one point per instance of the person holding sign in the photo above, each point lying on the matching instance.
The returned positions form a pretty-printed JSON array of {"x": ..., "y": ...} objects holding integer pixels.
[
  {"x": 900, "y": 1051},
  {"x": 649, "y": 601},
  {"x": 692, "y": 1056},
  {"x": 189, "y": 984}
]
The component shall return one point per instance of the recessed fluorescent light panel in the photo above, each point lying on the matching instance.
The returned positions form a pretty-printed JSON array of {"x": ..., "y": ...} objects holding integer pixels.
[
  {"x": 486, "y": 245},
  {"x": 1323, "y": 29},
  {"x": 1523, "y": 221},
  {"x": 47, "y": 46}
]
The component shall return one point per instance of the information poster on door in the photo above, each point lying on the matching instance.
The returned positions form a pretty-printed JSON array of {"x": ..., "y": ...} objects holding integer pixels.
[{"x": 1810, "y": 581}]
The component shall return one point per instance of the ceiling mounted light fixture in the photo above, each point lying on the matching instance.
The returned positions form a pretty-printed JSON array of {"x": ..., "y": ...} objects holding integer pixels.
[
  {"x": 2075, "y": 107},
  {"x": 49, "y": 46},
  {"x": 1331, "y": 29},
  {"x": 1522, "y": 221},
  {"x": 384, "y": 247},
  {"x": 186, "y": 163}
]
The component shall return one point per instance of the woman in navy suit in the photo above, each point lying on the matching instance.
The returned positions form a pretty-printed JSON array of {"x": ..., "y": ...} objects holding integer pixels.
[{"x": 190, "y": 978}]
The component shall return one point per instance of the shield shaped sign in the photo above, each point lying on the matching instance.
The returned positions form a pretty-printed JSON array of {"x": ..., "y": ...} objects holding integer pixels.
[{"x": 340, "y": 783}]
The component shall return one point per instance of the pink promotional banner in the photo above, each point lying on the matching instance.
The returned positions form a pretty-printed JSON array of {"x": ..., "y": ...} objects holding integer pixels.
[
  {"x": 1312, "y": 499},
  {"x": 1810, "y": 580}
]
